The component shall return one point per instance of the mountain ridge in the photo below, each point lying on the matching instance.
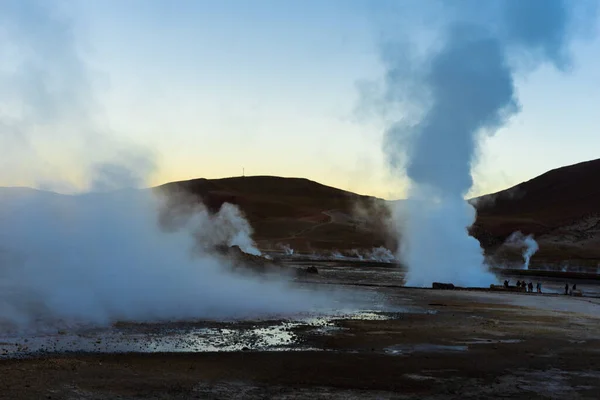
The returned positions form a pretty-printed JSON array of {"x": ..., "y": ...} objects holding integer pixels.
[{"x": 560, "y": 207}]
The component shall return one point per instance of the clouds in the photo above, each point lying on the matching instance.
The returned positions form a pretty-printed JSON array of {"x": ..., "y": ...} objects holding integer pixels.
[
  {"x": 129, "y": 169},
  {"x": 52, "y": 127},
  {"x": 47, "y": 81},
  {"x": 450, "y": 73}
]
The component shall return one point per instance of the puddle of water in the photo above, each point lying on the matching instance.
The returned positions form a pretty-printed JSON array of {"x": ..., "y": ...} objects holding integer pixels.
[
  {"x": 418, "y": 377},
  {"x": 194, "y": 336},
  {"x": 423, "y": 348},
  {"x": 364, "y": 316},
  {"x": 489, "y": 341},
  {"x": 275, "y": 335}
]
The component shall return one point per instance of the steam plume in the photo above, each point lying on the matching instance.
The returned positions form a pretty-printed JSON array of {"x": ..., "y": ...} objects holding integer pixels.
[
  {"x": 530, "y": 246},
  {"x": 98, "y": 258},
  {"x": 460, "y": 89},
  {"x": 287, "y": 249},
  {"x": 103, "y": 256},
  {"x": 227, "y": 227},
  {"x": 381, "y": 254}
]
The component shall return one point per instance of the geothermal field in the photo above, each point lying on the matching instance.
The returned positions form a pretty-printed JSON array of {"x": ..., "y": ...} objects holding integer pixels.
[
  {"x": 180, "y": 303},
  {"x": 265, "y": 287},
  {"x": 370, "y": 338}
]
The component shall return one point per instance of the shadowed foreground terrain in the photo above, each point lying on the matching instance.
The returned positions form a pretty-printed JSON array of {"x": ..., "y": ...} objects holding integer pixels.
[{"x": 422, "y": 344}]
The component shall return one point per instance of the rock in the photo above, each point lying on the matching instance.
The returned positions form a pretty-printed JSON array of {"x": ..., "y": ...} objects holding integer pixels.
[
  {"x": 247, "y": 262},
  {"x": 443, "y": 286}
]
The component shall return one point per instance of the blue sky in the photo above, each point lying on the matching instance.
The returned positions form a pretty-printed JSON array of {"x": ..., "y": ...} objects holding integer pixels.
[{"x": 211, "y": 87}]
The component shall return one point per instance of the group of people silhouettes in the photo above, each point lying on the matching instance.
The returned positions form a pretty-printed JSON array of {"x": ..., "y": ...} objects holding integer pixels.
[
  {"x": 526, "y": 286},
  {"x": 529, "y": 287}
]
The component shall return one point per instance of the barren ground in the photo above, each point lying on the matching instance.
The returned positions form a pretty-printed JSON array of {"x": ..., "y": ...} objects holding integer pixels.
[{"x": 412, "y": 344}]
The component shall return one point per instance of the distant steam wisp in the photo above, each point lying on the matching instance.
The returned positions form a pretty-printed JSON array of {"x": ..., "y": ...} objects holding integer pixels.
[{"x": 528, "y": 243}]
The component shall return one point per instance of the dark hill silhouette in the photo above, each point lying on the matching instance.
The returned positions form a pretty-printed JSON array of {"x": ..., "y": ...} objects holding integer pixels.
[
  {"x": 555, "y": 199},
  {"x": 269, "y": 196},
  {"x": 560, "y": 207},
  {"x": 294, "y": 211}
]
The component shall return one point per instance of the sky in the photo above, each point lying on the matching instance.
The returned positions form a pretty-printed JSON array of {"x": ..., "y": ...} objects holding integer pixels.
[{"x": 187, "y": 89}]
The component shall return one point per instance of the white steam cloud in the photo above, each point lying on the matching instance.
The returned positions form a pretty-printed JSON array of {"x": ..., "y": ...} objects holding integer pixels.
[
  {"x": 380, "y": 254},
  {"x": 52, "y": 129},
  {"x": 227, "y": 227},
  {"x": 230, "y": 227},
  {"x": 287, "y": 249},
  {"x": 446, "y": 98},
  {"x": 99, "y": 258},
  {"x": 530, "y": 246}
]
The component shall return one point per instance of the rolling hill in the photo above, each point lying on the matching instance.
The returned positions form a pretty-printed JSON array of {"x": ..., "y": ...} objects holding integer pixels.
[
  {"x": 561, "y": 208},
  {"x": 552, "y": 200},
  {"x": 296, "y": 212}
]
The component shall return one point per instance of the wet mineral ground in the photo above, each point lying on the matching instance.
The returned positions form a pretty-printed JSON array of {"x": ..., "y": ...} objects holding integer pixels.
[{"x": 401, "y": 343}]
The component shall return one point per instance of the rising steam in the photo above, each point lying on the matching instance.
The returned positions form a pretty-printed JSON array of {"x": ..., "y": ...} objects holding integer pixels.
[
  {"x": 528, "y": 243},
  {"x": 449, "y": 96},
  {"x": 287, "y": 249},
  {"x": 105, "y": 255},
  {"x": 227, "y": 227},
  {"x": 99, "y": 258}
]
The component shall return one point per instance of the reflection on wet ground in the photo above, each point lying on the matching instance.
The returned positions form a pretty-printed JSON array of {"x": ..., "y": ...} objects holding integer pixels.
[
  {"x": 422, "y": 348},
  {"x": 200, "y": 336},
  {"x": 376, "y": 340},
  {"x": 279, "y": 333}
]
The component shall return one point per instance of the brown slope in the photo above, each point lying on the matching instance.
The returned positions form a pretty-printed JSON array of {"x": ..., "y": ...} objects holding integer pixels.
[
  {"x": 295, "y": 211},
  {"x": 557, "y": 198},
  {"x": 560, "y": 207}
]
